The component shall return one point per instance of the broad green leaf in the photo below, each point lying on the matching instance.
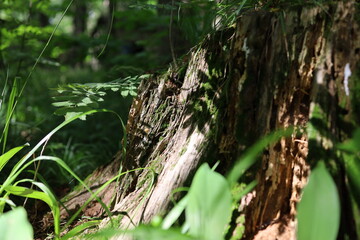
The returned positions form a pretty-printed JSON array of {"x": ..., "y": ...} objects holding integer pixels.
[
  {"x": 319, "y": 208},
  {"x": 15, "y": 225},
  {"x": 87, "y": 100},
  {"x": 9, "y": 154},
  {"x": 62, "y": 104},
  {"x": 78, "y": 110},
  {"x": 70, "y": 115},
  {"x": 73, "y": 112},
  {"x": 124, "y": 93},
  {"x": 30, "y": 193},
  {"x": 209, "y": 204}
]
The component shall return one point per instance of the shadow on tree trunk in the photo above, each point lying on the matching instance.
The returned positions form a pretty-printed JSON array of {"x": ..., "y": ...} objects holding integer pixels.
[{"x": 272, "y": 71}]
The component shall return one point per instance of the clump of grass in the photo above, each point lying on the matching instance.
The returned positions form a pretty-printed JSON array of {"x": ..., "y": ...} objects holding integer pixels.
[{"x": 12, "y": 185}]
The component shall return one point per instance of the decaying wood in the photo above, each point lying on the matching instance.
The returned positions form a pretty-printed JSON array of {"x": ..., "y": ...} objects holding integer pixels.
[
  {"x": 178, "y": 138},
  {"x": 265, "y": 74},
  {"x": 297, "y": 60}
]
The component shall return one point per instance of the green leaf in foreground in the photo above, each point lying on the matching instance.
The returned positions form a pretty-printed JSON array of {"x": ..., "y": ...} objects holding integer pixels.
[
  {"x": 9, "y": 154},
  {"x": 30, "y": 193},
  {"x": 15, "y": 225},
  {"x": 319, "y": 209},
  {"x": 209, "y": 204},
  {"x": 175, "y": 213}
]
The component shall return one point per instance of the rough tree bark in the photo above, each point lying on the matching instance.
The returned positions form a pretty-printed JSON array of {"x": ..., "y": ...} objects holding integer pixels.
[{"x": 270, "y": 71}]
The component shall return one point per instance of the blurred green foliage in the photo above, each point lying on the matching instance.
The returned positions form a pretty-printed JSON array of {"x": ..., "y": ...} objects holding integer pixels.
[
  {"x": 96, "y": 42},
  {"x": 72, "y": 57}
]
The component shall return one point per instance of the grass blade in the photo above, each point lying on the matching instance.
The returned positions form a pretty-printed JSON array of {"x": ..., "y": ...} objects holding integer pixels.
[
  {"x": 24, "y": 163},
  {"x": 250, "y": 156},
  {"x": 93, "y": 194},
  {"x": 9, "y": 154},
  {"x": 175, "y": 213},
  {"x": 9, "y": 202},
  {"x": 29, "y": 193},
  {"x": 78, "y": 229},
  {"x": 45, "y": 195},
  {"x": 19, "y": 165},
  {"x": 209, "y": 204},
  {"x": 9, "y": 113},
  {"x": 4, "y": 89}
]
